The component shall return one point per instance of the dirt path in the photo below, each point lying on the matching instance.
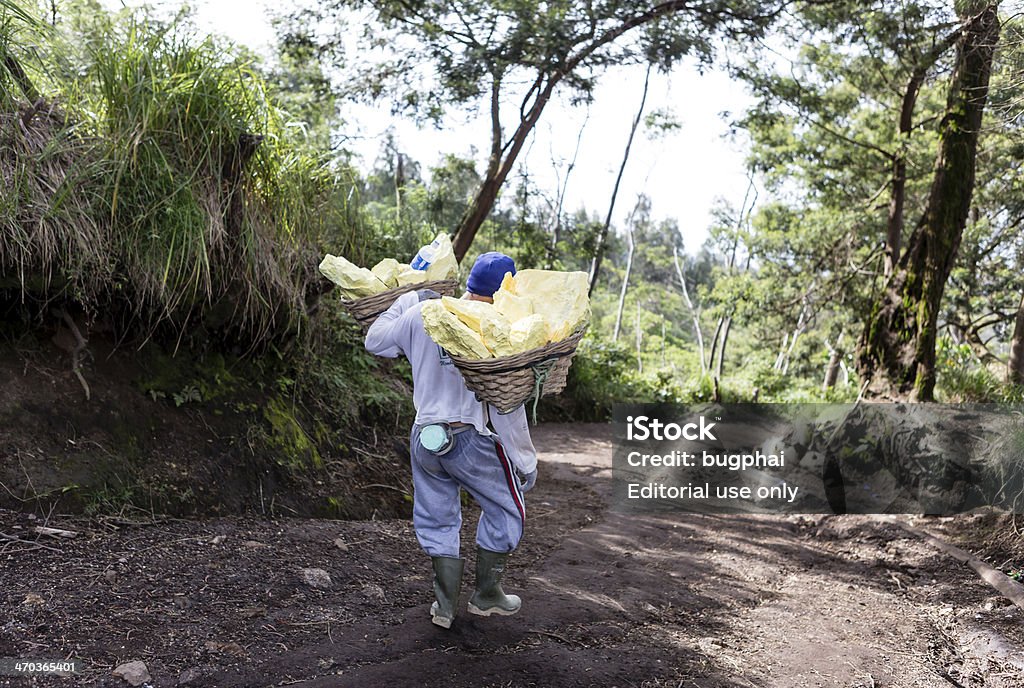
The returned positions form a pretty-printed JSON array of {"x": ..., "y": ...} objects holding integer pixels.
[{"x": 609, "y": 600}]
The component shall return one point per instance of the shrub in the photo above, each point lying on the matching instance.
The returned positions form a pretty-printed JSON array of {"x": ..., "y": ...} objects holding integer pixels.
[
  {"x": 961, "y": 378},
  {"x": 165, "y": 189}
]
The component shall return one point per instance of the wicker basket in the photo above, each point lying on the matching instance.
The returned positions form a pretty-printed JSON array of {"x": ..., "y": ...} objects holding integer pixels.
[
  {"x": 366, "y": 309},
  {"x": 509, "y": 382}
]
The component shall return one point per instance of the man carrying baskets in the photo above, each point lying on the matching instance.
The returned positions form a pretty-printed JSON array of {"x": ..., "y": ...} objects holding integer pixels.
[{"x": 458, "y": 442}]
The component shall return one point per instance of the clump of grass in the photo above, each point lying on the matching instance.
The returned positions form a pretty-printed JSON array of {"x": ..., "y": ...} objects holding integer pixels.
[
  {"x": 165, "y": 188},
  {"x": 49, "y": 239},
  {"x": 197, "y": 186}
]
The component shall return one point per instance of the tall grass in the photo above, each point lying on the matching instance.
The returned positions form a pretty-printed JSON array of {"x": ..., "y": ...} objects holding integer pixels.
[
  {"x": 15, "y": 10},
  {"x": 165, "y": 188},
  {"x": 50, "y": 241}
]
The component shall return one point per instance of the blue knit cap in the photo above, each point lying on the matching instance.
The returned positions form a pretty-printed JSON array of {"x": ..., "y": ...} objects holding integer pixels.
[{"x": 487, "y": 273}]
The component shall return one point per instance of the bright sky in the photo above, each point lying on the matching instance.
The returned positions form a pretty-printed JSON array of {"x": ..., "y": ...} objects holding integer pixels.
[{"x": 683, "y": 173}]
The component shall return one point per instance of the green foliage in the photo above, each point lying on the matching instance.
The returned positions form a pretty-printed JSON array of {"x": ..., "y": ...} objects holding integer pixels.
[
  {"x": 194, "y": 377},
  {"x": 110, "y": 498},
  {"x": 601, "y": 375},
  {"x": 441, "y": 53},
  {"x": 339, "y": 381},
  {"x": 825, "y": 136},
  {"x": 187, "y": 395},
  {"x": 169, "y": 189},
  {"x": 286, "y": 435},
  {"x": 961, "y": 379},
  {"x": 137, "y": 197},
  {"x": 299, "y": 85},
  {"x": 21, "y": 12}
]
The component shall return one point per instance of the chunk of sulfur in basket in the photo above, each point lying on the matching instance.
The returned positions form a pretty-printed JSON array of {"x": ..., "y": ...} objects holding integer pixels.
[
  {"x": 470, "y": 312},
  {"x": 484, "y": 319},
  {"x": 409, "y": 276},
  {"x": 496, "y": 334},
  {"x": 353, "y": 281},
  {"x": 511, "y": 306},
  {"x": 387, "y": 272},
  {"x": 528, "y": 333},
  {"x": 453, "y": 335},
  {"x": 559, "y": 297}
]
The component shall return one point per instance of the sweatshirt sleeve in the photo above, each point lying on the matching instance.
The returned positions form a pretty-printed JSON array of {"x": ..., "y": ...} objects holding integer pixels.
[
  {"x": 388, "y": 335},
  {"x": 513, "y": 430}
]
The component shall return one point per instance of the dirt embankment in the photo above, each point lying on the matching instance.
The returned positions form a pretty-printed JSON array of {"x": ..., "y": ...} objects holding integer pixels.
[
  {"x": 609, "y": 600},
  {"x": 183, "y": 435}
]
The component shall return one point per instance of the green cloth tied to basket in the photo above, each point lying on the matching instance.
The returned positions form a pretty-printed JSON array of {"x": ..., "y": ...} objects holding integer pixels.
[{"x": 540, "y": 376}]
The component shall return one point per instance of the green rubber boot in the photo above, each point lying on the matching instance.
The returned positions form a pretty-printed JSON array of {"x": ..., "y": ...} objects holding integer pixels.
[
  {"x": 447, "y": 581},
  {"x": 489, "y": 598}
]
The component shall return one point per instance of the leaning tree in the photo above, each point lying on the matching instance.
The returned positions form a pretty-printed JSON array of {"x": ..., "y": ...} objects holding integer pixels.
[
  {"x": 896, "y": 357},
  {"x": 508, "y": 57}
]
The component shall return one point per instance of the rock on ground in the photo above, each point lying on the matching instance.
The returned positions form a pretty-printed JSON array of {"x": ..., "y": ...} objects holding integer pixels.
[{"x": 135, "y": 673}]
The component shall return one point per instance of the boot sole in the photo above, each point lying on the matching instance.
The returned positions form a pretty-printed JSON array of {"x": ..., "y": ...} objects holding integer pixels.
[
  {"x": 442, "y": 621},
  {"x": 473, "y": 609}
]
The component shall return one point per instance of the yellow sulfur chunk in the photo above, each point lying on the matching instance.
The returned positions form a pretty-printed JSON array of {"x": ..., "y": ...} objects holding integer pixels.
[
  {"x": 559, "y": 297},
  {"x": 508, "y": 283},
  {"x": 496, "y": 334},
  {"x": 484, "y": 319},
  {"x": 445, "y": 328},
  {"x": 511, "y": 306},
  {"x": 469, "y": 311},
  {"x": 387, "y": 272},
  {"x": 354, "y": 282},
  {"x": 409, "y": 276},
  {"x": 528, "y": 333},
  {"x": 443, "y": 266}
]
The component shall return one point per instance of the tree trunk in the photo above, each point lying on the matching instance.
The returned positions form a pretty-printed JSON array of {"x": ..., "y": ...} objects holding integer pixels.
[
  {"x": 896, "y": 355},
  {"x": 399, "y": 184},
  {"x": 1015, "y": 368},
  {"x": 497, "y": 170},
  {"x": 663, "y": 341},
  {"x": 20, "y": 77},
  {"x": 725, "y": 321},
  {"x": 714, "y": 341},
  {"x": 831, "y": 370},
  {"x": 894, "y": 234},
  {"x": 595, "y": 265},
  {"x": 721, "y": 349},
  {"x": 639, "y": 342},
  {"x": 556, "y": 232},
  {"x": 694, "y": 315},
  {"x": 625, "y": 286},
  {"x": 833, "y": 367},
  {"x": 780, "y": 357},
  {"x": 789, "y": 343}
]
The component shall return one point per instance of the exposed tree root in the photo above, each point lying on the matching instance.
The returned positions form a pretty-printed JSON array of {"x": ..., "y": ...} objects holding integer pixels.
[
  {"x": 80, "y": 345},
  {"x": 1003, "y": 584}
]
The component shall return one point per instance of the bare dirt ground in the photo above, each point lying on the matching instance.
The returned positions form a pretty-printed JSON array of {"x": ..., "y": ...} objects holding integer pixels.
[{"x": 609, "y": 600}]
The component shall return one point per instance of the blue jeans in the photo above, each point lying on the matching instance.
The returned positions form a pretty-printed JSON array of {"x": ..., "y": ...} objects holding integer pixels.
[{"x": 477, "y": 464}]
